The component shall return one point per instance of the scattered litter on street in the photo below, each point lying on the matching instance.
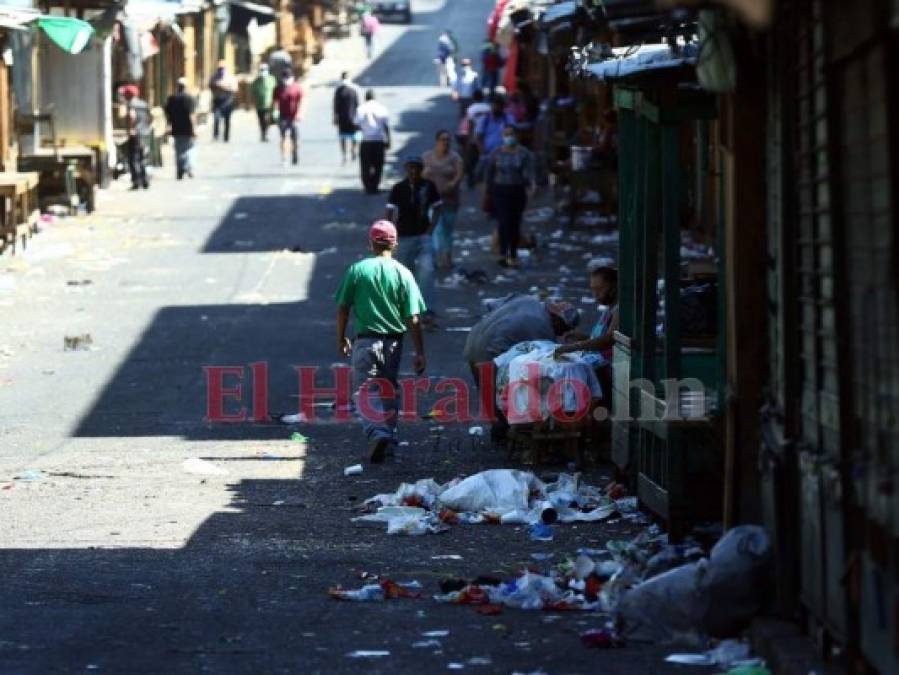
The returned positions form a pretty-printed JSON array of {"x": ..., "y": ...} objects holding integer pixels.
[
  {"x": 435, "y": 633},
  {"x": 500, "y": 496},
  {"x": 689, "y": 659},
  {"x": 201, "y": 467},
  {"x": 541, "y": 532},
  {"x": 427, "y": 644},
  {"x": 293, "y": 419},
  {"x": 31, "y": 475},
  {"x": 384, "y": 589},
  {"x": 73, "y": 343},
  {"x": 297, "y": 437},
  {"x": 367, "y": 654},
  {"x": 476, "y": 431},
  {"x": 602, "y": 638},
  {"x": 354, "y": 470},
  {"x": 450, "y": 556}
]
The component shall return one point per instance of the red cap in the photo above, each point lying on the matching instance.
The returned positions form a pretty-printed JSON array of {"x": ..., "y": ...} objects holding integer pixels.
[
  {"x": 129, "y": 90},
  {"x": 382, "y": 232}
]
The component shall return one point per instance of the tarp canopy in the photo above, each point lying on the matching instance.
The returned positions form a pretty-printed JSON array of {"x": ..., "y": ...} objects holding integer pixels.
[
  {"x": 242, "y": 13},
  {"x": 633, "y": 61},
  {"x": 69, "y": 34}
]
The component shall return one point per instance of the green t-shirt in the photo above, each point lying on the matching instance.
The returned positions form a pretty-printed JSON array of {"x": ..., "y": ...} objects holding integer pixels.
[
  {"x": 382, "y": 293},
  {"x": 263, "y": 88}
]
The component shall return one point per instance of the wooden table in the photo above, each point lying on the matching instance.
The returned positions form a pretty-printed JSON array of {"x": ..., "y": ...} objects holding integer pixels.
[
  {"x": 19, "y": 211},
  {"x": 52, "y": 163}
]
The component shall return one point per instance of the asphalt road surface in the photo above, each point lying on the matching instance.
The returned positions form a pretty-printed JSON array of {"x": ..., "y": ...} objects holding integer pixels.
[{"x": 113, "y": 557}]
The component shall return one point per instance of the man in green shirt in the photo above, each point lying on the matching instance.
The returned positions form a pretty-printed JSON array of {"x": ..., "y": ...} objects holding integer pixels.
[
  {"x": 386, "y": 302},
  {"x": 263, "y": 89}
]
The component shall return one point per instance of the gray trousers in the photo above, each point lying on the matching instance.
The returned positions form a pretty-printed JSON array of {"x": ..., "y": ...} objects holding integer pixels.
[{"x": 377, "y": 358}]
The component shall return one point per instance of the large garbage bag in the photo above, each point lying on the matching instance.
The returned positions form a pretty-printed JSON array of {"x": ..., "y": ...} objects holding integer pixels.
[
  {"x": 715, "y": 596},
  {"x": 499, "y": 490}
]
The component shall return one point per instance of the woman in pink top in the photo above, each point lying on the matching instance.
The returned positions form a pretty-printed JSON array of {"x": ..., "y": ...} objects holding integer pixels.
[{"x": 444, "y": 166}]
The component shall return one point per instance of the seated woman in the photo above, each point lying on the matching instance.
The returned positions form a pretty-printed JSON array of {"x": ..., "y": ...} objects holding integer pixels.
[{"x": 598, "y": 345}]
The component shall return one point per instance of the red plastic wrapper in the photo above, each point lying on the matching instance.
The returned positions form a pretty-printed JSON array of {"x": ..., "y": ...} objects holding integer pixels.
[
  {"x": 472, "y": 595},
  {"x": 393, "y": 590},
  {"x": 592, "y": 588},
  {"x": 602, "y": 638},
  {"x": 616, "y": 491},
  {"x": 492, "y": 519},
  {"x": 413, "y": 500},
  {"x": 448, "y": 516}
]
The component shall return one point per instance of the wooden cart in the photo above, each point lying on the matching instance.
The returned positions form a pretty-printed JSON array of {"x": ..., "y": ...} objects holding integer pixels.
[{"x": 19, "y": 213}]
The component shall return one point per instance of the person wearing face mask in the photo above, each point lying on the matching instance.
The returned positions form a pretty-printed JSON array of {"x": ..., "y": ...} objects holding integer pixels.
[{"x": 509, "y": 182}]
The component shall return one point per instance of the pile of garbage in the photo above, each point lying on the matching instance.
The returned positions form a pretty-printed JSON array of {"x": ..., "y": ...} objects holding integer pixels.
[
  {"x": 645, "y": 589},
  {"x": 496, "y": 496},
  {"x": 571, "y": 585}
]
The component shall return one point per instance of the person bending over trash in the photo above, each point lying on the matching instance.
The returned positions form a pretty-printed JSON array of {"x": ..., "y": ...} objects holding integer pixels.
[
  {"x": 386, "y": 303},
  {"x": 520, "y": 318}
]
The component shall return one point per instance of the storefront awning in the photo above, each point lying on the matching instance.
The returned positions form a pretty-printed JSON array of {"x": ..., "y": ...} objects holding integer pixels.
[
  {"x": 17, "y": 19},
  {"x": 242, "y": 13},
  {"x": 634, "y": 61}
]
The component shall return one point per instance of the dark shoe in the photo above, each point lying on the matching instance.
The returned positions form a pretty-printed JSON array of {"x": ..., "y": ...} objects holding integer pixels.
[
  {"x": 295, "y": 160},
  {"x": 146, "y": 186},
  {"x": 378, "y": 448},
  {"x": 135, "y": 187}
]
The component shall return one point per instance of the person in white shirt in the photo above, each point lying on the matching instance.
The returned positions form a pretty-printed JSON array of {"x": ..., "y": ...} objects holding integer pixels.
[
  {"x": 465, "y": 85},
  {"x": 372, "y": 119}
]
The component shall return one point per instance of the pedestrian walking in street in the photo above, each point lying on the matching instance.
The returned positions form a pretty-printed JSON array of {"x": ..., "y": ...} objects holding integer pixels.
[
  {"x": 369, "y": 28},
  {"x": 288, "y": 96},
  {"x": 346, "y": 103},
  {"x": 180, "y": 110},
  {"x": 263, "y": 89},
  {"x": 138, "y": 120},
  {"x": 386, "y": 304},
  {"x": 491, "y": 64},
  {"x": 372, "y": 119},
  {"x": 224, "y": 88},
  {"x": 510, "y": 180},
  {"x": 410, "y": 205},
  {"x": 465, "y": 84},
  {"x": 446, "y": 50},
  {"x": 445, "y": 168},
  {"x": 477, "y": 111},
  {"x": 489, "y": 130}
]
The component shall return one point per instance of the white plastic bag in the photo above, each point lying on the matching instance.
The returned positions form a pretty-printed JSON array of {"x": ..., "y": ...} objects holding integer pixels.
[{"x": 497, "y": 490}]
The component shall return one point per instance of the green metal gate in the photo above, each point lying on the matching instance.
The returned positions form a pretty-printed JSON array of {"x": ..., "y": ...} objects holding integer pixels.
[
  {"x": 821, "y": 490},
  {"x": 860, "y": 61}
]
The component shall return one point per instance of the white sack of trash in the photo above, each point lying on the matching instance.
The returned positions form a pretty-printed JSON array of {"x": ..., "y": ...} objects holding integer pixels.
[{"x": 506, "y": 496}]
